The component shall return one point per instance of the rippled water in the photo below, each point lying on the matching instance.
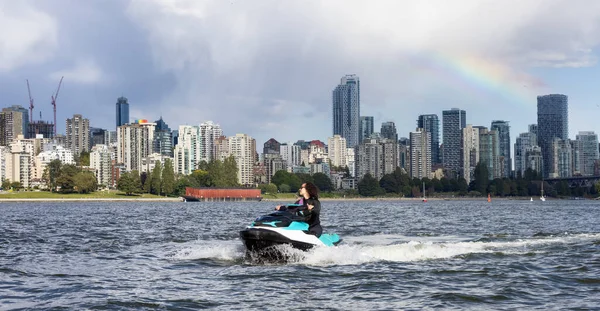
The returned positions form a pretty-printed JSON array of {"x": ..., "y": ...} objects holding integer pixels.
[{"x": 506, "y": 255}]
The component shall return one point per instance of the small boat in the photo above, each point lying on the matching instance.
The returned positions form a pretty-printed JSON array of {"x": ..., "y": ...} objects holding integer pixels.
[
  {"x": 531, "y": 199},
  {"x": 424, "y": 197},
  {"x": 489, "y": 198},
  {"x": 542, "y": 197}
]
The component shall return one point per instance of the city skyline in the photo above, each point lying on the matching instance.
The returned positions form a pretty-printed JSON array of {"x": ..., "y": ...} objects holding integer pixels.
[{"x": 278, "y": 79}]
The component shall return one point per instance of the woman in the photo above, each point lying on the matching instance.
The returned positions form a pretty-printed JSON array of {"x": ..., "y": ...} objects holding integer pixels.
[{"x": 310, "y": 208}]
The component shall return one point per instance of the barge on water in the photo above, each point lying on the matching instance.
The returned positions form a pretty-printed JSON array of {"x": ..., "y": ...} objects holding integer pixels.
[{"x": 221, "y": 194}]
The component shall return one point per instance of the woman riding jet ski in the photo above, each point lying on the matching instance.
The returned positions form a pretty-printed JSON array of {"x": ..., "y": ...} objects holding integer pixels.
[{"x": 296, "y": 224}]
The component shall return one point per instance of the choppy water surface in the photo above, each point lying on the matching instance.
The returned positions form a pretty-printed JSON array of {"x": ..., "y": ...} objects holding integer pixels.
[{"x": 506, "y": 255}]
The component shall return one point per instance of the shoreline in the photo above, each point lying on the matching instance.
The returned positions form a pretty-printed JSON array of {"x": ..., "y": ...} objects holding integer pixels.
[{"x": 180, "y": 199}]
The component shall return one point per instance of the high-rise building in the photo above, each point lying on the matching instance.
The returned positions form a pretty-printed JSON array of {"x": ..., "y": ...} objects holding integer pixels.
[
  {"x": 97, "y": 137},
  {"x": 134, "y": 142},
  {"x": 420, "y": 154},
  {"x": 290, "y": 153},
  {"x": 562, "y": 158},
  {"x": 388, "y": 130},
  {"x": 504, "y": 141},
  {"x": 525, "y": 144},
  {"x": 470, "y": 151},
  {"x": 586, "y": 149},
  {"x": 489, "y": 151},
  {"x": 78, "y": 134},
  {"x": 243, "y": 149},
  {"x": 187, "y": 151},
  {"x": 11, "y": 126},
  {"x": 21, "y": 119},
  {"x": 209, "y": 133},
  {"x": 454, "y": 120},
  {"x": 163, "y": 140},
  {"x": 101, "y": 163},
  {"x": 365, "y": 128},
  {"x": 46, "y": 129},
  {"x": 431, "y": 124},
  {"x": 369, "y": 159},
  {"x": 553, "y": 122},
  {"x": 346, "y": 109},
  {"x": 122, "y": 111},
  {"x": 272, "y": 146},
  {"x": 337, "y": 150}
]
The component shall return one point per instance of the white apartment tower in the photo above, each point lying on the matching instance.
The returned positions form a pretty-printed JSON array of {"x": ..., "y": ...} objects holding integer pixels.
[
  {"x": 420, "y": 154},
  {"x": 100, "y": 161},
  {"x": 209, "y": 133},
  {"x": 290, "y": 153},
  {"x": 78, "y": 134},
  {"x": 243, "y": 149},
  {"x": 337, "y": 150},
  {"x": 470, "y": 151},
  {"x": 134, "y": 142},
  {"x": 188, "y": 151}
]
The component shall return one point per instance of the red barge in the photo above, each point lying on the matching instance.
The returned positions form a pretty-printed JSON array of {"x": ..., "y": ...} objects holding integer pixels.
[{"x": 222, "y": 194}]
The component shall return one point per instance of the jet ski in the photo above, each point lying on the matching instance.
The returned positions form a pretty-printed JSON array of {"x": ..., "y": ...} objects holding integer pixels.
[{"x": 265, "y": 235}]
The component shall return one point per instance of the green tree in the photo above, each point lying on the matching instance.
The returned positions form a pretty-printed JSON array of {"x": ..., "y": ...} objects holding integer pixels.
[
  {"x": 6, "y": 184},
  {"x": 84, "y": 159},
  {"x": 284, "y": 188},
  {"x": 168, "y": 178},
  {"x": 230, "y": 172},
  {"x": 202, "y": 178},
  {"x": 16, "y": 185},
  {"x": 280, "y": 177},
  {"x": 462, "y": 186},
  {"x": 146, "y": 181},
  {"x": 369, "y": 186},
  {"x": 135, "y": 174},
  {"x": 127, "y": 183},
  {"x": 396, "y": 182},
  {"x": 323, "y": 182},
  {"x": 305, "y": 178},
  {"x": 85, "y": 182},
  {"x": 155, "y": 182},
  {"x": 51, "y": 174},
  {"x": 481, "y": 178},
  {"x": 66, "y": 179},
  {"x": 268, "y": 188},
  {"x": 184, "y": 181}
]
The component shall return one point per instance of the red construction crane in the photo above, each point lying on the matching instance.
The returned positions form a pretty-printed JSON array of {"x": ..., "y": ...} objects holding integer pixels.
[
  {"x": 30, "y": 103},
  {"x": 54, "y": 97}
]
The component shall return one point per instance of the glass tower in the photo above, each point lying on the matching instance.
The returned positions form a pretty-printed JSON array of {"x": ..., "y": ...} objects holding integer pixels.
[
  {"x": 552, "y": 121},
  {"x": 346, "y": 109},
  {"x": 122, "y": 111}
]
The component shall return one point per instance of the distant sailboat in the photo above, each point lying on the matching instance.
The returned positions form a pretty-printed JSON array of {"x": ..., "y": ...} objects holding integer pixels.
[
  {"x": 424, "y": 198},
  {"x": 489, "y": 198},
  {"x": 531, "y": 199},
  {"x": 542, "y": 197}
]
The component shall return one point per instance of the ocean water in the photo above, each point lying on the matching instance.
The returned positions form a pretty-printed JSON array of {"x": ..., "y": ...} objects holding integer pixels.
[{"x": 395, "y": 255}]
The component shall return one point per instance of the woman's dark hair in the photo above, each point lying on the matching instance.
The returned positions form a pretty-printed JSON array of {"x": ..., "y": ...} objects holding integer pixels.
[{"x": 312, "y": 190}]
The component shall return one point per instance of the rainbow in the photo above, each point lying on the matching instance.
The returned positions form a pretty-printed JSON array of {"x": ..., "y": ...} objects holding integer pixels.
[{"x": 478, "y": 76}]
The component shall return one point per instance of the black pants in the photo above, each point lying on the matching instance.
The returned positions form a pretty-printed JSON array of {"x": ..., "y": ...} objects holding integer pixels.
[{"x": 316, "y": 230}]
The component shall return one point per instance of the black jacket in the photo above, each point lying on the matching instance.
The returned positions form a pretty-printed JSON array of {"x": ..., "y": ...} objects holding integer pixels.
[{"x": 311, "y": 217}]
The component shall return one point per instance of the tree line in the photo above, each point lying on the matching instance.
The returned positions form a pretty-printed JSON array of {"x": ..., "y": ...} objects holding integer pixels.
[
  {"x": 529, "y": 184},
  {"x": 162, "y": 180}
]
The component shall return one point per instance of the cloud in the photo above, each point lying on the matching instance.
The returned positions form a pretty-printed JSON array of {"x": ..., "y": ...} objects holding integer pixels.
[
  {"x": 27, "y": 36},
  {"x": 231, "y": 59},
  {"x": 84, "y": 72}
]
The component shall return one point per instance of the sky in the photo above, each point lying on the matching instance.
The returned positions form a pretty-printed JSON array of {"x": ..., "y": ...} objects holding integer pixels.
[{"x": 267, "y": 68}]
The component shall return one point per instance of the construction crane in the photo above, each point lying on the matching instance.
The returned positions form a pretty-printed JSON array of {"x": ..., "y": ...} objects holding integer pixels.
[
  {"x": 30, "y": 103},
  {"x": 54, "y": 97}
]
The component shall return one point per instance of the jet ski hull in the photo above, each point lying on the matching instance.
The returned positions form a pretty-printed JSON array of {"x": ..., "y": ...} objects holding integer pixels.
[{"x": 257, "y": 239}]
